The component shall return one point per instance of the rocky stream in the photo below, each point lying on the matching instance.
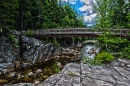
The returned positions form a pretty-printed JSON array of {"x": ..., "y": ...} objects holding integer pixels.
[{"x": 45, "y": 64}]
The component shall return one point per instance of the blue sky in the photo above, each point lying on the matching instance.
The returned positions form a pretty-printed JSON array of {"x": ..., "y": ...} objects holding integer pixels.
[{"x": 84, "y": 8}]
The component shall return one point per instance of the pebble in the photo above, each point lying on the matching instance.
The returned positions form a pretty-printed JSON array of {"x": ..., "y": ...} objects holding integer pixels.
[
  {"x": 27, "y": 79},
  {"x": 38, "y": 71},
  {"x": 59, "y": 64},
  {"x": 36, "y": 82},
  {"x": 3, "y": 81},
  {"x": 122, "y": 64},
  {"x": 30, "y": 74},
  {"x": 11, "y": 74},
  {"x": 128, "y": 66},
  {"x": 17, "y": 64}
]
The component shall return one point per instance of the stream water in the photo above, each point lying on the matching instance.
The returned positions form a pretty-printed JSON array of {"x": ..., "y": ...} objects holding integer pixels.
[{"x": 89, "y": 50}]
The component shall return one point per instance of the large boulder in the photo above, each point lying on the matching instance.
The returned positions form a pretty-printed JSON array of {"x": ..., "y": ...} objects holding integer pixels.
[
  {"x": 36, "y": 51},
  {"x": 33, "y": 51},
  {"x": 9, "y": 53}
]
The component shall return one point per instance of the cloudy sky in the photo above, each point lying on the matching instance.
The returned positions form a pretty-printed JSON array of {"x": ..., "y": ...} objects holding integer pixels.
[{"x": 84, "y": 8}]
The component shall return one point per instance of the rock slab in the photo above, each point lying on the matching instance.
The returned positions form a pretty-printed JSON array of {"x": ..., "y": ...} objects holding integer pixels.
[{"x": 89, "y": 75}]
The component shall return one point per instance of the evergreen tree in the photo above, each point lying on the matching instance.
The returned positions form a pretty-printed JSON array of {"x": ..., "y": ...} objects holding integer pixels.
[
  {"x": 8, "y": 13},
  {"x": 113, "y": 13},
  {"x": 36, "y": 14}
]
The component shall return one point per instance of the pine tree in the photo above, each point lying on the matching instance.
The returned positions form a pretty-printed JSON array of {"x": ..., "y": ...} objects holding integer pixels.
[{"x": 8, "y": 12}]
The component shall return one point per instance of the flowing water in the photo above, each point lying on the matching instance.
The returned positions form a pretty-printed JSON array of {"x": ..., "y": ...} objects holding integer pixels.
[{"x": 89, "y": 50}]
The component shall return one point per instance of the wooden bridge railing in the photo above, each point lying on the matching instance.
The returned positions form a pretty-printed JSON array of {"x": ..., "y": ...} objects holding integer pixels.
[{"x": 80, "y": 31}]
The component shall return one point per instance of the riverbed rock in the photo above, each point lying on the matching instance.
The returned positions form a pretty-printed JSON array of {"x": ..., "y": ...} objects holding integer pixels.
[
  {"x": 74, "y": 74},
  {"x": 89, "y": 75},
  {"x": 34, "y": 51},
  {"x": 3, "y": 81},
  {"x": 9, "y": 52},
  {"x": 39, "y": 71}
]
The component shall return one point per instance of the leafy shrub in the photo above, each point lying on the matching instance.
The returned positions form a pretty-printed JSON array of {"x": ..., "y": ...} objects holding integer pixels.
[
  {"x": 126, "y": 51},
  {"x": 103, "y": 57},
  {"x": 56, "y": 68},
  {"x": 87, "y": 60},
  {"x": 28, "y": 33}
]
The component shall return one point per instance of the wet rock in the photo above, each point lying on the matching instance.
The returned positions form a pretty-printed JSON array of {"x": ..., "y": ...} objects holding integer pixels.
[
  {"x": 30, "y": 74},
  {"x": 34, "y": 51},
  {"x": 36, "y": 82},
  {"x": 27, "y": 79},
  {"x": 8, "y": 54},
  {"x": 43, "y": 77},
  {"x": 59, "y": 64},
  {"x": 3, "y": 81},
  {"x": 39, "y": 71},
  {"x": 6, "y": 67},
  {"x": 23, "y": 84},
  {"x": 17, "y": 64},
  {"x": 86, "y": 75},
  {"x": 89, "y": 75},
  {"x": 27, "y": 71},
  {"x": 25, "y": 65},
  {"x": 11, "y": 75},
  {"x": 128, "y": 66},
  {"x": 19, "y": 76}
]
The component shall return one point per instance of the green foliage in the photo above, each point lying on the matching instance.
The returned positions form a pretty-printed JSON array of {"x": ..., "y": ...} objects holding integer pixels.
[
  {"x": 55, "y": 41},
  {"x": 28, "y": 33},
  {"x": 100, "y": 58},
  {"x": 71, "y": 74},
  {"x": 12, "y": 37},
  {"x": 103, "y": 57},
  {"x": 8, "y": 12},
  {"x": 57, "y": 69},
  {"x": 112, "y": 44},
  {"x": 36, "y": 14},
  {"x": 111, "y": 14},
  {"x": 128, "y": 17},
  {"x": 13, "y": 40},
  {"x": 87, "y": 60},
  {"x": 126, "y": 51}
]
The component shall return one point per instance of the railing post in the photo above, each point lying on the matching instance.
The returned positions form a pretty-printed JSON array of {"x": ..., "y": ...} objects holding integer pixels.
[{"x": 120, "y": 33}]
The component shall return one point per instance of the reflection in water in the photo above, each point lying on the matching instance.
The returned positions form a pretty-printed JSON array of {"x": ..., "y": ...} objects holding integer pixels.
[{"x": 90, "y": 50}]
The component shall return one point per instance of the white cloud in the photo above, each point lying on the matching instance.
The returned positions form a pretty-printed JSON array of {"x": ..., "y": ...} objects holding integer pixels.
[
  {"x": 85, "y": 1},
  {"x": 64, "y": 0},
  {"x": 72, "y": 1},
  {"x": 90, "y": 18},
  {"x": 84, "y": 8}
]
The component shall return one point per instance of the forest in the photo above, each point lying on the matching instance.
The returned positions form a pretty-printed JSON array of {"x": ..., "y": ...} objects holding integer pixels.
[
  {"x": 43, "y": 14},
  {"x": 36, "y": 14}
]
